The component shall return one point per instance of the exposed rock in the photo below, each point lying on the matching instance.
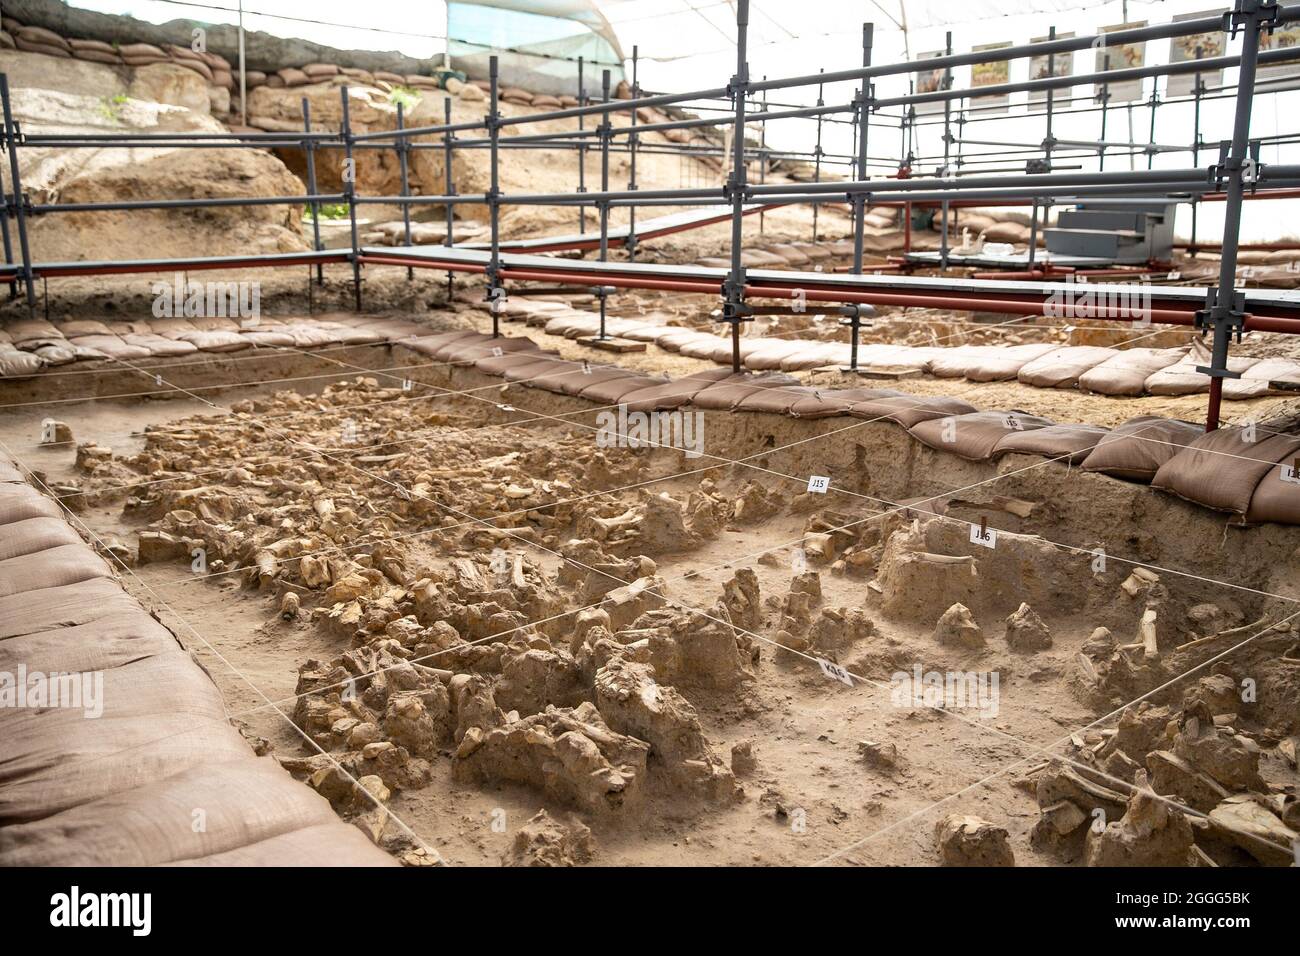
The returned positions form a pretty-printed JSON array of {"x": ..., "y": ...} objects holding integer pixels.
[
  {"x": 544, "y": 841},
  {"x": 969, "y": 841},
  {"x": 957, "y": 628},
  {"x": 170, "y": 84},
  {"x": 572, "y": 755},
  {"x": 1026, "y": 631},
  {"x": 632, "y": 703},
  {"x": 1151, "y": 833},
  {"x": 743, "y": 761},
  {"x": 1243, "y": 820}
]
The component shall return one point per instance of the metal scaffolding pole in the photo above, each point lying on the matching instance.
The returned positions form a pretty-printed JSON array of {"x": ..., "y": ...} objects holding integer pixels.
[
  {"x": 350, "y": 195},
  {"x": 947, "y": 145},
  {"x": 494, "y": 289},
  {"x": 449, "y": 185},
  {"x": 632, "y": 140},
  {"x": 19, "y": 201},
  {"x": 733, "y": 287},
  {"x": 582, "y": 150},
  {"x": 603, "y": 206},
  {"x": 403, "y": 146},
  {"x": 309, "y": 148},
  {"x": 1224, "y": 312},
  {"x": 862, "y": 103},
  {"x": 817, "y": 157}
]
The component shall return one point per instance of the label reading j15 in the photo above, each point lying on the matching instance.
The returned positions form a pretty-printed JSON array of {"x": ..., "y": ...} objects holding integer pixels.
[{"x": 818, "y": 484}]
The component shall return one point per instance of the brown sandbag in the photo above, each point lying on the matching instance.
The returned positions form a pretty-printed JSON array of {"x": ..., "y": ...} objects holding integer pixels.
[
  {"x": 724, "y": 395},
  {"x": 1126, "y": 372},
  {"x": 42, "y": 35},
  {"x": 159, "y": 345},
  {"x": 215, "y": 341},
  {"x": 1005, "y": 362},
  {"x": 572, "y": 378},
  {"x": 675, "y": 393},
  {"x": 95, "y": 56},
  {"x": 111, "y": 346},
  {"x": 33, "y": 332},
  {"x": 1277, "y": 496},
  {"x": 20, "y": 501},
  {"x": 1183, "y": 379},
  {"x": 1137, "y": 449},
  {"x": 974, "y": 436},
  {"x": 1071, "y": 443},
  {"x": 293, "y": 77},
  {"x": 539, "y": 366},
  {"x": 244, "y": 801},
  {"x": 470, "y": 350},
  {"x": 141, "y": 50},
  {"x": 908, "y": 410},
  {"x": 824, "y": 404},
  {"x": 111, "y": 640},
  {"x": 31, "y": 535},
  {"x": 51, "y": 568},
  {"x": 1221, "y": 470},
  {"x": 613, "y": 391},
  {"x": 777, "y": 401},
  {"x": 77, "y": 327},
  {"x": 332, "y": 844},
  {"x": 1061, "y": 368},
  {"x": 15, "y": 363}
]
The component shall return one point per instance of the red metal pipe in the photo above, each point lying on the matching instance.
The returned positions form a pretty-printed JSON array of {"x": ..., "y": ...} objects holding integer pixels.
[
  {"x": 105, "y": 269},
  {"x": 1007, "y": 303},
  {"x": 622, "y": 282},
  {"x": 1216, "y": 399}
]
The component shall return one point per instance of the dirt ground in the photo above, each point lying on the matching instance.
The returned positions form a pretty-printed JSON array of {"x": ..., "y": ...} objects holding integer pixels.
[{"x": 800, "y": 767}]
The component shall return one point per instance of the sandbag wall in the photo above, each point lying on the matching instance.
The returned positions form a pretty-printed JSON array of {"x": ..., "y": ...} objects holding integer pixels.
[
  {"x": 1250, "y": 473},
  {"x": 159, "y": 775},
  {"x": 1098, "y": 369}
]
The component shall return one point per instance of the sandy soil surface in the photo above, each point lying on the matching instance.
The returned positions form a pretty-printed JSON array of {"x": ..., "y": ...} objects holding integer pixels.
[{"x": 803, "y": 768}]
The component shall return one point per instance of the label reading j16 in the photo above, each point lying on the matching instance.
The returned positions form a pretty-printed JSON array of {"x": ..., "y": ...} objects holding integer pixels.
[
  {"x": 1289, "y": 474},
  {"x": 988, "y": 537},
  {"x": 818, "y": 484},
  {"x": 835, "y": 672}
]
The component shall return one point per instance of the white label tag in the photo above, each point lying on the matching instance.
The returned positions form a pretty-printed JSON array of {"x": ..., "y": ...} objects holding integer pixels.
[
  {"x": 835, "y": 672},
  {"x": 817, "y": 484},
  {"x": 1289, "y": 474},
  {"x": 986, "y": 537},
  {"x": 1173, "y": 276}
]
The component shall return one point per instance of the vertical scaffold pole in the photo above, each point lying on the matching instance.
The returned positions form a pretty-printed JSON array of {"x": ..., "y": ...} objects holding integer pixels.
[
  {"x": 350, "y": 191},
  {"x": 582, "y": 152},
  {"x": 309, "y": 147},
  {"x": 449, "y": 187},
  {"x": 1224, "y": 312},
  {"x": 817, "y": 152},
  {"x": 947, "y": 146},
  {"x": 733, "y": 287},
  {"x": 1105, "y": 103},
  {"x": 493, "y": 122},
  {"x": 863, "y": 103},
  {"x": 16, "y": 184},
  {"x": 630, "y": 244},
  {"x": 1198, "y": 91},
  {"x": 403, "y": 146},
  {"x": 603, "y": 205}
]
